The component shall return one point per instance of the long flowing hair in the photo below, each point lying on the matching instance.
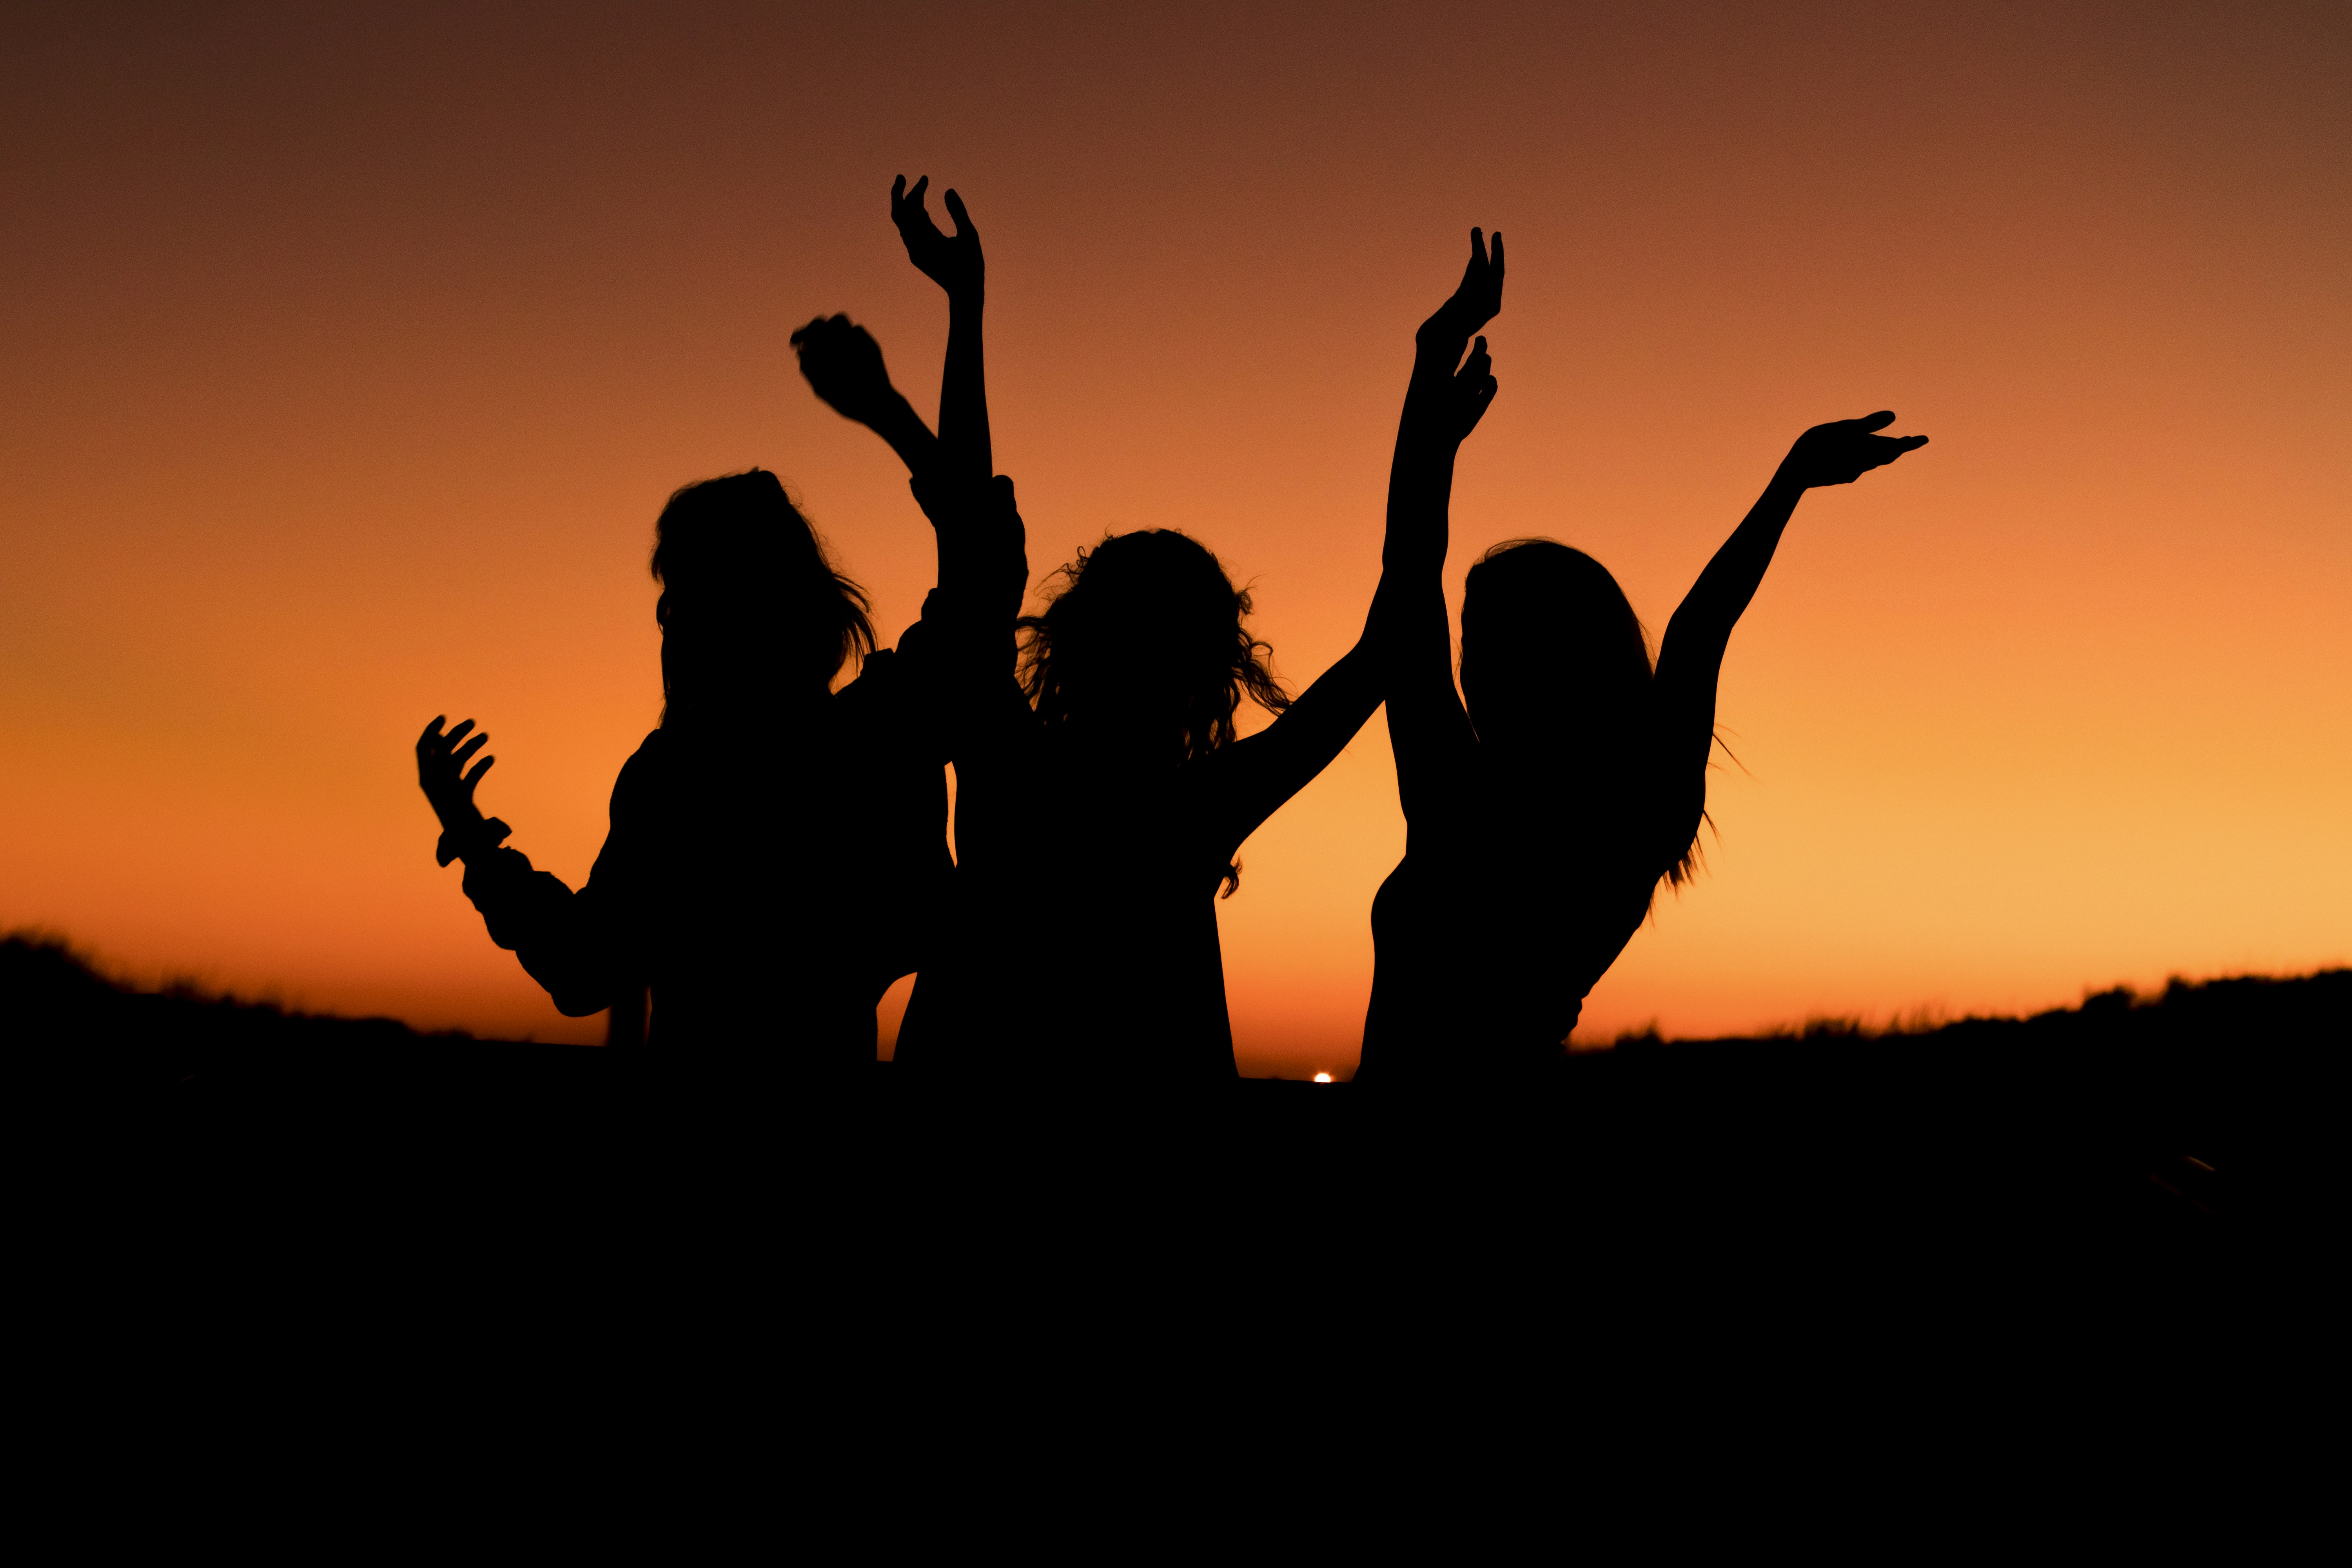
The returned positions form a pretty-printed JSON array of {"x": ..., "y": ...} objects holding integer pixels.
[
  {"x": 1147, "y": 639},
  {"x": 750, "y": 602},
  {"x": 1551, "y": 642}
]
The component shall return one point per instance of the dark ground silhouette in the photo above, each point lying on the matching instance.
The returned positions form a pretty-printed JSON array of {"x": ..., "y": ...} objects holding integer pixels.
[{"x": 2209, "y": 1107}]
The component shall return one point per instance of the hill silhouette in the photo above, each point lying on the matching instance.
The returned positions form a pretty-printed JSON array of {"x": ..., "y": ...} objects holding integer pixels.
[{"x": 2208, "y": 1106}]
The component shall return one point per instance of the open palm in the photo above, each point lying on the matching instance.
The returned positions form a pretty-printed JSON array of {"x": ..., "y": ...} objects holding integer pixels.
[
  {"x": 1479, "y": 298},
  {"x": 441, "y": 760},
  {"x": 1842, "y": 451}
]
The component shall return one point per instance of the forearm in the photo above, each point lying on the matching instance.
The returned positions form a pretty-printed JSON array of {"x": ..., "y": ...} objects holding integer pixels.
[
  {"x": 1261, "y": 772},
  {"x": 897, "y": 424},
  {"x": 963, "y": 391},
  {"x": 1420, "y": 472},
  {"x": 1690, "y": 659},
  {"x": 558, "y": 935},
  {"x": 1722, "y": 594},
  {"x": 1420, "y": 495}
]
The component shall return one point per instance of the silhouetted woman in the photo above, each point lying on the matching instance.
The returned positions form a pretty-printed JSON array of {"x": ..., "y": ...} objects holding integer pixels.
[
  {"x": 1103, "y": 787},
  {"x": 1541, "y": 816},
  {"x": 775, "y": 848}
]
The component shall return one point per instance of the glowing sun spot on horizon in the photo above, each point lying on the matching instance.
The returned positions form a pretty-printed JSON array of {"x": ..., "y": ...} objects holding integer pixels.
[{"x": 1322, "y": 1078}]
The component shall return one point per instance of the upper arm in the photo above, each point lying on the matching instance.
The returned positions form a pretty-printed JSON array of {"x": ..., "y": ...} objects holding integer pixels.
[
  {"x": 1430, "y": 731},
  {"x": 1682, "y": 739},
  {"x": 1690, "y": 665},
  {"x": 1250, "y": 779}
]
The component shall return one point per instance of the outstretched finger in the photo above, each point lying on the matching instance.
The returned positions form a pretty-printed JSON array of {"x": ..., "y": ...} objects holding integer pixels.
[
  {"x": 1495, "y": 258},
  {"x": 964, "y": 227},
  {"x": 480, "y": 768},
  {"x": 462, "y": 753},
  {"x": 1878, "y": 421},
  {"x": 431, "y": 735}
]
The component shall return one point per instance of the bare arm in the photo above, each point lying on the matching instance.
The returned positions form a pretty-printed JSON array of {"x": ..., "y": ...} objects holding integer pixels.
[
  {"x": 956, "y": 264},
  {"x": 1428, "y": 729},
  {"x": 843, "y": 365},
  {"x": 577, "y": 945},
  {"x": 1690, "y": 661},
  {"x": 1405, "y": 636}
]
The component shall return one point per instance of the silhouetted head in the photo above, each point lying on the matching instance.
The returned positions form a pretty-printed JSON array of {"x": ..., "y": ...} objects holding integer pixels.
[
  {"x": 1554, "y": 661},
  {"x": 751, "y": 607},
  {"x": 1145, "y": 655},
  {"x": 1145, "y": 648},
  {"x": 1556, "y": 673}
]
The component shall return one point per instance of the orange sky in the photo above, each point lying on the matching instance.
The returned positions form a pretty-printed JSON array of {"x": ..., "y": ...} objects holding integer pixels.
[{"x": 346, "y": 356}]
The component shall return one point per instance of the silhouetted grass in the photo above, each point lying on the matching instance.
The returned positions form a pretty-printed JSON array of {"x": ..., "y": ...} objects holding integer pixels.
[
  {"x": 2207, "y": 1099},
  {"x": 61, "y": 1017}
]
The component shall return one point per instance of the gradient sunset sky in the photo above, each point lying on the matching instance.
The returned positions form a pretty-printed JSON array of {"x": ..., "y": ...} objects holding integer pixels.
[{"x": 347, "y": 353}]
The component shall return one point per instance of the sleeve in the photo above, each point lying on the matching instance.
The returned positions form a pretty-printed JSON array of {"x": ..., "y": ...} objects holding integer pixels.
[
  {"x": 967, "y": 632},
  {"x": 585, "y": 948}
]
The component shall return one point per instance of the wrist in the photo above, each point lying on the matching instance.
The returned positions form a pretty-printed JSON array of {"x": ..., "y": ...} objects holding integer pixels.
[
  {"x": 469, "y": 841},
  {"x": 1447, "y": 327},
  {"x": 891, "y": 417}
]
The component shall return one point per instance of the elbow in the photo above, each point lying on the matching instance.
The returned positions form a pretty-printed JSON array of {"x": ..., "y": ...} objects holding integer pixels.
[
  {"x": 578, "y": 989},
  {"x": 580, "y": 1004}
]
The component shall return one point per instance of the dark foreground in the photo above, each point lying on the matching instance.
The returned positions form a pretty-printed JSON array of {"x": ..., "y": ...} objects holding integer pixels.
[
  {"x": 2208, "y": 1109},
  {"x": 2124, "y": 1207}
]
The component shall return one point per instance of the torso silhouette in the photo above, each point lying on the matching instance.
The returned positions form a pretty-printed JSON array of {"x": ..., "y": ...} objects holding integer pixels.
[
  {"x": 1080, "y": 937},
  {"x": 1085, "y": 935},
  {"x": 1513, "y": 898},
  {"x": 766, "y": 880}
]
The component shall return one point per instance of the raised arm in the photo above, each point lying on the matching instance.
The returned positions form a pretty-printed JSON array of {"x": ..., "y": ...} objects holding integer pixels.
[
  {"x": 954, "y": 262},
  {"x": 843, "y": 364},
  {"x": 1428, "y": 730},
  {"x": 1442, "y": 405},
  {"x": 1690, "y": 660}
]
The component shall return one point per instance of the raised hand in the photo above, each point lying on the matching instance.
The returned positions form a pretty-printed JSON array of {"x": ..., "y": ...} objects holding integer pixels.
[
  {"x": 1469, "y": 394},
  {"x": 1480, "y": 297},
  {"x": 843, "y": 365},
  {"x": 1842, "y": 451},
  {"x": 954, "y": 262},
  {"x": 441, "y": 771}
]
